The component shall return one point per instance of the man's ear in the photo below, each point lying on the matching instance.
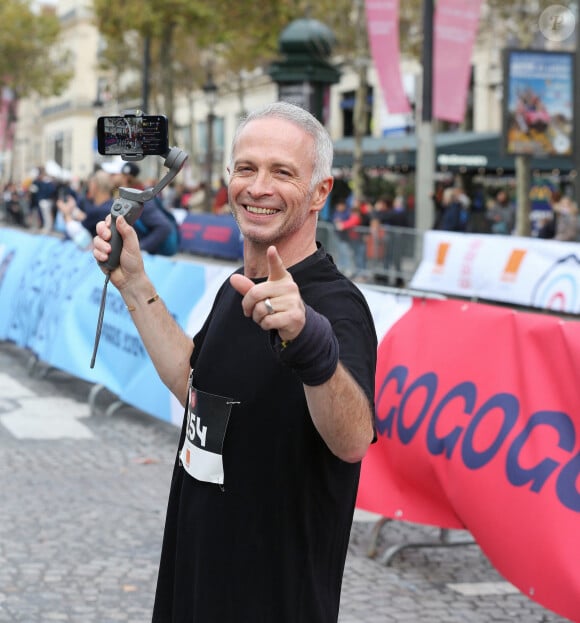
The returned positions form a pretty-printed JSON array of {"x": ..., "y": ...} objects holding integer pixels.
[{"x": 321, "y": 193}]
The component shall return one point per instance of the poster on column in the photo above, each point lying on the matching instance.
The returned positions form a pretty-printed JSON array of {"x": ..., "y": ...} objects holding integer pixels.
[
  {"x": 478, "y": 428},
  {"x": 455, "y": 28},
  {"x": 539, "y": 103}
]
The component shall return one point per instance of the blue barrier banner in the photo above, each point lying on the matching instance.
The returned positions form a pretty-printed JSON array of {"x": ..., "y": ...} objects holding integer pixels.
[
  {"x": 39, "y": 276},
  {"x": 50, "y": 293},
  {"x": 211, "y": 234}
]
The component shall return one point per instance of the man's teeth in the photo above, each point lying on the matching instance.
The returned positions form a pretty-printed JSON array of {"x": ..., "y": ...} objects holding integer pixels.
[{"x": 255, "y": 210}]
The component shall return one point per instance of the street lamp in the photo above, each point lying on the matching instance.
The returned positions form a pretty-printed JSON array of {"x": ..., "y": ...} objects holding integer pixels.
[
  {"x": 210, "y": 91},
  {"x": 425, "y": 173}
]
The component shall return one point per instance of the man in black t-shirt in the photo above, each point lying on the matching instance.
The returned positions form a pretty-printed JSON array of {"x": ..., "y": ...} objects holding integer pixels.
[{"x": 278, "y": 390}]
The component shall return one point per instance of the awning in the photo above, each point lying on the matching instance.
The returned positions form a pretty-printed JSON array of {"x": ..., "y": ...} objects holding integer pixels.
[{"x": 454, "y": 151}]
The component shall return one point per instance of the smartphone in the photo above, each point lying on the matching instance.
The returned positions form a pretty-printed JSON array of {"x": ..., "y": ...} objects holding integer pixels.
[{"x": 133, "y": 135}]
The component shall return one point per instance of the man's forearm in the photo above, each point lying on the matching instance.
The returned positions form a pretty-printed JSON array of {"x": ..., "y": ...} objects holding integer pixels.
[
  {"x": 342, "y": 415},
  {"x": 168, "y": 346}
]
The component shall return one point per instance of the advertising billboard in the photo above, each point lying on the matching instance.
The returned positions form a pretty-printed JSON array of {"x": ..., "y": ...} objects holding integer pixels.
[{"x": 539, "y": 103}]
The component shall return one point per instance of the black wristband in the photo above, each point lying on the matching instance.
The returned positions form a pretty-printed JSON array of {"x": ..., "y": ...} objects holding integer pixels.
[{"x": 313, "y": 355}]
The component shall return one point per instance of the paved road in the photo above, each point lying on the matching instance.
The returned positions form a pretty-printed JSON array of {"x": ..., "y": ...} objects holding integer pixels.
[{"x": 82, "y": 504}]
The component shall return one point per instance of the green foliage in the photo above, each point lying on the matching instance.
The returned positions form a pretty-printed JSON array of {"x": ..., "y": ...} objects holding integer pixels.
[
  {"x": 151, "y": 17},
  {"x": 247, "y": 32},
  {"x": 379, "y": 186},
  {"x": 29, "y": 57},
  {"x": 186, "y": 36},
  {"x": 242, "y": 35}
]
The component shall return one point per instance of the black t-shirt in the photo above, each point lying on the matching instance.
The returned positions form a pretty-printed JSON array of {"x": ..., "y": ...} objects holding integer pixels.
[{"x": 270, "y": 545}]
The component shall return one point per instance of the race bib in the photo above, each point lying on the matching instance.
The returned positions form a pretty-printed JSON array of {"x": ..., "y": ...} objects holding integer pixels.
[{"x": 207, "y": 421}]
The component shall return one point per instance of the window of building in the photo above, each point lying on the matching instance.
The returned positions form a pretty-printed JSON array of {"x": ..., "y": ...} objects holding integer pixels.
[{"x": 347, "y": 107}]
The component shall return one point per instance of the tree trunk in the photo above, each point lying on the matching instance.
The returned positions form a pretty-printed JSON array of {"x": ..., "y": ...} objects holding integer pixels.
[
  {"x": 360, "y": 102},
  {"x": 167, "y": 76}
]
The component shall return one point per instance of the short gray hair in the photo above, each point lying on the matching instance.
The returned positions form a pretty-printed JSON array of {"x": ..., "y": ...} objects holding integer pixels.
[{"x": 323, "y": 148}]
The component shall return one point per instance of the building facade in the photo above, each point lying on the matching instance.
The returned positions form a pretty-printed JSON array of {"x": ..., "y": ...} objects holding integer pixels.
[{"x": 62, "y": 130}]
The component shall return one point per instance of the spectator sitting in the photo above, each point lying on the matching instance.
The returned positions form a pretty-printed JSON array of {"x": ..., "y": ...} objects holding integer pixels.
[
  {"x": 156, "y": 228},
  {"x": 93, "y": 208}
]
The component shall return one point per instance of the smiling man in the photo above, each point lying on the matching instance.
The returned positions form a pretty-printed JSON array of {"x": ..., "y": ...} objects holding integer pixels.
[{"x": 278, "y": 390}]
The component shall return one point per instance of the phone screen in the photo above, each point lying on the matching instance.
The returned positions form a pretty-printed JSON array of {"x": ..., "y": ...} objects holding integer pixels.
[{"x": 132, "y": 135}]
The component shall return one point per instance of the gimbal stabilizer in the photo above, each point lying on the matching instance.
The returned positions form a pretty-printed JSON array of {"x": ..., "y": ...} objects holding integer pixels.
[{"x": 129, "y": 204}]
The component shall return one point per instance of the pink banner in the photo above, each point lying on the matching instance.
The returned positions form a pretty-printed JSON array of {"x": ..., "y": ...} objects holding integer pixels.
[
  {"x": 383, "y": 32},
  {"x": 7, "y": 118},
  {"x": 454, "y": 33},
  {"x": 478, "y": 428}
]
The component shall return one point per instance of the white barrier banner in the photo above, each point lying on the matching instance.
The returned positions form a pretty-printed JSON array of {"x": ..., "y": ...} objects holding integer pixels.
[{"x": 526, "y": 271}]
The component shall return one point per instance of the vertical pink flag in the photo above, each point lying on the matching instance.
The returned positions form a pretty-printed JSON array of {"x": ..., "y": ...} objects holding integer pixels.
[
  {"x": 454, "y": 33},
  {"x": 383, "y": 32},
  {"x": 7, "y": 114}
]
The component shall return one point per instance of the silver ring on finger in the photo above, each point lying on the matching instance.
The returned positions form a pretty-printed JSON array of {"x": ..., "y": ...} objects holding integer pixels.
[{"x": 269, "y": 307}]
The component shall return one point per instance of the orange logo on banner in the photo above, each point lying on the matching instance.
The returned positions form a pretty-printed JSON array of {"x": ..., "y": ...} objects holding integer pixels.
[
  {"x": 442, "y": 251},
  {"x": 187, "y": 457},
  {"x": 510, "y": 272}
]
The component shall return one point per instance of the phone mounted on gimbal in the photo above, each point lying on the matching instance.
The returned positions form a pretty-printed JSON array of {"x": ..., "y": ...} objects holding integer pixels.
[{"x": 135, "y": 136}]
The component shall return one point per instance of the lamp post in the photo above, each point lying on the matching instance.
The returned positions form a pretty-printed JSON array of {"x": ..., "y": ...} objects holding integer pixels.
[
  {"x": 304, "y": 73},
  {"x": 210, "y": 91},
  {"x": 425, "y": 174}
]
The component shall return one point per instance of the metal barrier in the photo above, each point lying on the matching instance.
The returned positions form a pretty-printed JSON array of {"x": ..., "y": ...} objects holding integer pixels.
[
  {"x": 446, "y": 538},
  {"x": 384, "y": 255}
]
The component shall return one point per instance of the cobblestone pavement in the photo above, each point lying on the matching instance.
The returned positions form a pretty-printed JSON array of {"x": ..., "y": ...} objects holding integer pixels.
[{"x": 82, "y": 505}]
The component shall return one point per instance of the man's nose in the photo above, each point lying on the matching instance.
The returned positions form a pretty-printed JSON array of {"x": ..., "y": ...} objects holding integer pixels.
[{"x": 261, "y": 184}]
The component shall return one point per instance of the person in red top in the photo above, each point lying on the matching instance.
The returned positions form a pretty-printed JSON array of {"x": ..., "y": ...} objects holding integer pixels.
[
  {"x": 352, "y": 234},
  {"x": 220, "y": 201}
]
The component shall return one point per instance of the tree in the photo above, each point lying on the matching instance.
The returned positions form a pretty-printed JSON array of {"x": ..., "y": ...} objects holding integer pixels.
[
  {"x": 183, "y": 35},
  {"x": 160, "y": 27},
  {"x": 30, "y": 60},
  {"x": 246, "y": 37}
]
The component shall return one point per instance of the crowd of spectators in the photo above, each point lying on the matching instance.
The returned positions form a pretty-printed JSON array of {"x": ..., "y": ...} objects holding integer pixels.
[
  {"x": 193, "y": 197},
  {"x": 373, "y": 235},
  {"x": 370, "y": 241},
  {"x": 494, "y": 212},
  {"x": 48, "y": 204}
]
